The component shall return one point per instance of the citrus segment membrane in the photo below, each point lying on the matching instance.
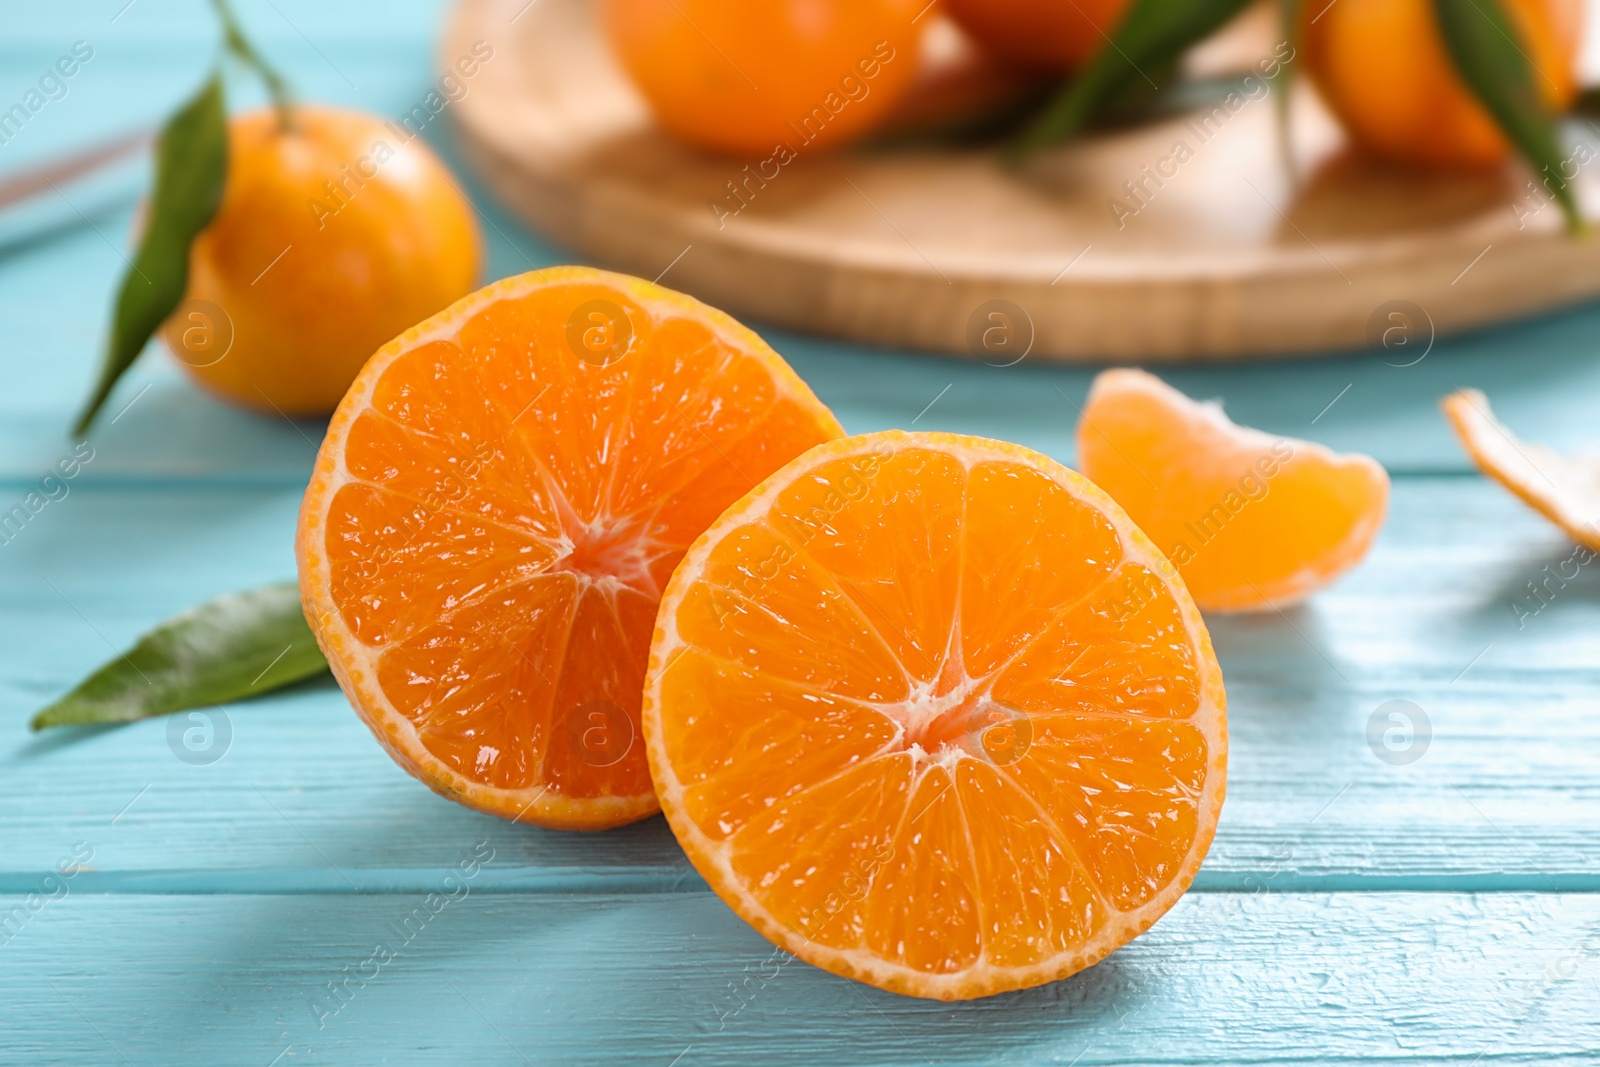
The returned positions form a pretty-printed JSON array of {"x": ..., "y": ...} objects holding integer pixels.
[
  {"x": 923, "y": 709},
  {"x": 502, "y": 497},
  {"x": 1252, "y": 521}
]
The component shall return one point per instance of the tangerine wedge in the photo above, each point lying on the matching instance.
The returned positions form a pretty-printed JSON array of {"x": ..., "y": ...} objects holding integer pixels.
[
  {"x": 923, "y": 710},
  {"x": 500, "y": 499},
  {"x": 1252, "y": 521},
  {"x": 1564, "y": 489}
]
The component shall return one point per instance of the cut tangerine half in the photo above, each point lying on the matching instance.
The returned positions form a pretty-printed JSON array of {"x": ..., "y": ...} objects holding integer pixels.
[
  {"x": 1251, "y": 520},
  {"x": 502, "y": 496},
  {"x": 1564, "y": 489},
  {"x": 924, "y": 711}
]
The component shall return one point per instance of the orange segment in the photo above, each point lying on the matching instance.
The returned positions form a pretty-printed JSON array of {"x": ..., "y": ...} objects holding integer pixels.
[
  {"x": 1127, "y": 648},
  {"x": 1564, "y": 489},
  {"x": 500, "y": 499},
  {"x": 1013, "y": 586},
  {"x": 812, "y": 733},
  {"x": 912, "y": 620},
  {"x": 1026, "y": 919},
  {"x": 1252, "y": 521},
  {"x": 1156, "y": 771},
  {"x": 923, "y": 710}
]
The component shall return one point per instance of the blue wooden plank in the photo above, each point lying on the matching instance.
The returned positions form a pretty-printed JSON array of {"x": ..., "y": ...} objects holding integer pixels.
[
  {"x": 221, "y": 899},
  {"x": 304, "y": 801},
  {"x": 61, "y": 256},
  {"x": 173, "y": 431},
  {"x": 284, "y": 24},
  {"x": 53, "y": 296},
  {"x": 678, "y": 979}
]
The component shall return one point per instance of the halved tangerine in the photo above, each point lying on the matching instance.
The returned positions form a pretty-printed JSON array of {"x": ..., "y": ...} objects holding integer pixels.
[
  {"x": 502, "y": 496},
  {"x": 924, "y": 711}
]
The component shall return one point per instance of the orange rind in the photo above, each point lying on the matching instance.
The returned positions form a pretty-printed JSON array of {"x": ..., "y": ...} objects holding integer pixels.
[
  {"x": 924, "y": 710},
  {"x": 501, "y": 498},
  {"x": 1564, "y": 489}
]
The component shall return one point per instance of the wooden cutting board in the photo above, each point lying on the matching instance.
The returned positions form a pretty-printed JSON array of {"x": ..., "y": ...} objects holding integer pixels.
[{"x": 1220, "y": 255}]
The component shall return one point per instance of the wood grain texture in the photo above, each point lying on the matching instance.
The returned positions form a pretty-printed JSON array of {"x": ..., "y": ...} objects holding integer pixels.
[
  {"x": 221, "y": 898},
  {"x": 304, "y": 800},
  {"x": 1224, "y": 258},
  {"x": 1541, "y": 377},
  {"x": 1419, "y": 979}
]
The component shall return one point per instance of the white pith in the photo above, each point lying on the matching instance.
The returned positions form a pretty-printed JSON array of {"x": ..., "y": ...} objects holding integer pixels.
[
  {"x": 355, "y": 663},
  {"x": 983, "y": 977}
]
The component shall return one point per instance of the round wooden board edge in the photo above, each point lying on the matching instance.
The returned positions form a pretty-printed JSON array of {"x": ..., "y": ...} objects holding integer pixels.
[{"x": 1313, "y": 308}]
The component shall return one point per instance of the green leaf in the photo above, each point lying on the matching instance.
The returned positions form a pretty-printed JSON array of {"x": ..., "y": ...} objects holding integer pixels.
[
  {"x": 191, "y": 169},
  {"x": 1488, "y": 54},
  {"x": 235, "y": 646},
  {"x": 1136, "y": 106},
  {"x": 1150, "y": 37}
]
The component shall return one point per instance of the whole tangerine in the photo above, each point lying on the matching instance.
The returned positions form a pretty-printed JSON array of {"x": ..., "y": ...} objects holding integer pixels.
[
  {"x": 1384, "y": 70},
  {"x": 743, "y": 78},
  {"x": 333, "y": 236},
  {"x": 1047, "y": 35}
]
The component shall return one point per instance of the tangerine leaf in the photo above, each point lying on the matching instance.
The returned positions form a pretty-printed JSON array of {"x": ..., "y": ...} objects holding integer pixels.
[
  {"x": 236, "y": 646},
  {"x": 1150, "y": 38},
  {"x": 191, "y": 169},
  {"x": 1488, "y": 54}
]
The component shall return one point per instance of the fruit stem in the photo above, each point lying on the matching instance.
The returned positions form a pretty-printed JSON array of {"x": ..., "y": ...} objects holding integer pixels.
[{"x": 239, "y": 45}]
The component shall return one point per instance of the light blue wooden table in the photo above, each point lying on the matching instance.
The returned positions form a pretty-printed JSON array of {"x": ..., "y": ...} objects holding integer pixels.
[{"x": 1444, "y": 910}]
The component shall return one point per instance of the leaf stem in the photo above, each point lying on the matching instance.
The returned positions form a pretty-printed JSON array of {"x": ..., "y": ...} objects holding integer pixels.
[{"x": 239, "y": 45}]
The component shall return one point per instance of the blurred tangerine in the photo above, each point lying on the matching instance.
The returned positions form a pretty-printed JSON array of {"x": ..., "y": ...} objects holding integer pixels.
[
  {"x": 743, "y": 78},
  {"x": 1050, "y": 35},
  {"x": 1383, "y": 68},
  {"x": 334, "y": 235}
]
